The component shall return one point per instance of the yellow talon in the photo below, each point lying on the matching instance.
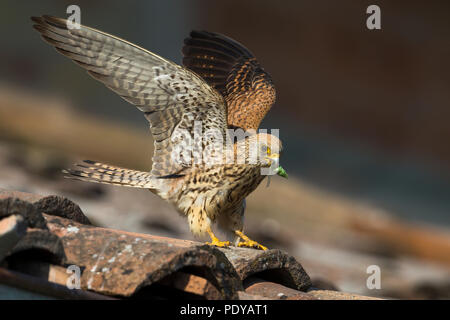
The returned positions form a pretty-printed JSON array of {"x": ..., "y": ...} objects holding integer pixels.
[
  {"x": 251, "y": 244},
  {"x": 216, "y": 242},
  {"x": 220, "y": 244},
  {"x": 248, "y": 242}
]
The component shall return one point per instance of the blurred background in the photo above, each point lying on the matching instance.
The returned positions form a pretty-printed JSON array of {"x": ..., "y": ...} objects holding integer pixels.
[{"x": 364, "y": 117}]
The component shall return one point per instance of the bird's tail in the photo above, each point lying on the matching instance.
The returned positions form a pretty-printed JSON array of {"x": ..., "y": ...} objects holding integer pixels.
[{"x": 102, "y": 173}]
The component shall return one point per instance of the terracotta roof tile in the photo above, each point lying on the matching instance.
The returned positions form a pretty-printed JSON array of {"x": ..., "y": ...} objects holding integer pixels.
[
  {"x": 274, "y": 265},
  {"x": 122, "y": 264}
]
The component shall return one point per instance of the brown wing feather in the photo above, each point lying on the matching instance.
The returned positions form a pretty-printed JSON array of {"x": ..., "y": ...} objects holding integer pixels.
[
  {"x": 171, "y": 97},
  {"x": 234, "y": 71}
]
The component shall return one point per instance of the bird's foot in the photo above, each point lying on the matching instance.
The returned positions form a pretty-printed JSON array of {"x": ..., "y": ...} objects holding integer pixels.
[
  {"x": 251, "y": 244},
  {"x": 217, "y": 243},
  {"x": 248, "y": 243}
]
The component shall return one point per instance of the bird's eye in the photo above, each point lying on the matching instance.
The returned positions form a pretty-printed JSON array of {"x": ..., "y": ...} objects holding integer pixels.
[{"x": 268, "y": 151}]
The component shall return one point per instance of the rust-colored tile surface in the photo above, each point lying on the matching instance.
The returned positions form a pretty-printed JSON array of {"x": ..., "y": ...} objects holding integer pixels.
[
  {"x": 275, "y": 265},
  {"x": 123, "y": 264}
]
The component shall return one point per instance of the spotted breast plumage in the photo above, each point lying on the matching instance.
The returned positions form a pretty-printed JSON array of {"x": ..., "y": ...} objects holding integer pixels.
[{"x": 221, "y": 85}]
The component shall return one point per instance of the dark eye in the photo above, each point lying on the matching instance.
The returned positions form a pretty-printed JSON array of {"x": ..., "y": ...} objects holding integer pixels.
[{"x": 265, "y": 149}]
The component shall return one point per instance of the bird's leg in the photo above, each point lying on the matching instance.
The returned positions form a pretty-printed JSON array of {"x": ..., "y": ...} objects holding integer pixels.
[
  {"x": 215, "y": 241},
  {"x": 248, "y": 242}
]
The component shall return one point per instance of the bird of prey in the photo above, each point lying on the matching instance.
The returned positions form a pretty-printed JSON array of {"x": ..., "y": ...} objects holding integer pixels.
[{"x": 221, "y": 84}]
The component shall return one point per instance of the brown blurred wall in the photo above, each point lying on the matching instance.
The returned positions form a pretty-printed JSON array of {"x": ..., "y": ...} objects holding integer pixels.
[{"x": 387, "y": 88}]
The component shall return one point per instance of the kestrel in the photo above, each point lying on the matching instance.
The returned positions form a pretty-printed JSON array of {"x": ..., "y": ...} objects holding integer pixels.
[{"x": 221, "y": 84}]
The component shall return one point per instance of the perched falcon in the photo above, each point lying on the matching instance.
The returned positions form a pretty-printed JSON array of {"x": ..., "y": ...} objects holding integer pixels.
[{"x": 221, "y": 84}]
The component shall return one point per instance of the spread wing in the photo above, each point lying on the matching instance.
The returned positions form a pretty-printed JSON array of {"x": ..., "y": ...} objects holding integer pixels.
[
  {"x": 233, "y": 70},
  {"x": 171, "y": 97}
]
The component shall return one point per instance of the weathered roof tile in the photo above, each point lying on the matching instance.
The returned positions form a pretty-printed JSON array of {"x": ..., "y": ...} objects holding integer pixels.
[
  {"x": 120, "y": 263},
  {"x": 54, "y": 205},
  {"x": 12, "y": 229},
  {"x": 131, "y": 265},
  {"x": 274, "y": 265}
]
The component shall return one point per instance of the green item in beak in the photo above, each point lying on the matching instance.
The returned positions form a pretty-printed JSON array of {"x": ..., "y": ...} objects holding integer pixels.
[{"x": 281, "y": 172}]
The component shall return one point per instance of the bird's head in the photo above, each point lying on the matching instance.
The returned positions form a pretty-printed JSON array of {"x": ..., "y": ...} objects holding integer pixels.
[{"x": 269, "y": 149}]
